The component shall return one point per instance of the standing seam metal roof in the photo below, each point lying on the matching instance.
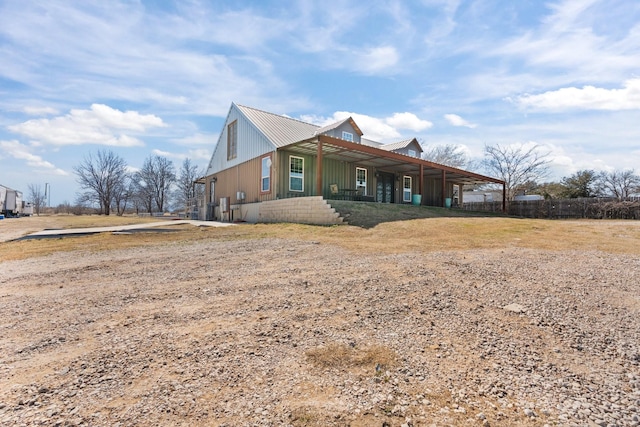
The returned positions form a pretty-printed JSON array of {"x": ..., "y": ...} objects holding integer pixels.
[
  {"x": 338, "y": 124},
  {"x": 280, "y": 130},
  {"x": 283, "y": 130},
  {"x": 397, "y": 145}
]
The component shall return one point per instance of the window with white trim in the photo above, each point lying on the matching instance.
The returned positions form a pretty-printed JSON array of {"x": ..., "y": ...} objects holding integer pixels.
[
  {"x": 406, "y": 189},
  {"x": 347, "y": 136},
  {"x": 361, "y": 181},
  {"x": 265, "y": 177},
  {"x": 296, "y": 173},
  {"x": 412, "y": 153}
]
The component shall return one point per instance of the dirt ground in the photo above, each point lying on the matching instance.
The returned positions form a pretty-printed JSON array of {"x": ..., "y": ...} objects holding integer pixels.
[{"x": 272, "y": 331}]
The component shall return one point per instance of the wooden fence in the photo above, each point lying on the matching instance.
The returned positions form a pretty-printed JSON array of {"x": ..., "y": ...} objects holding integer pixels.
[{"x": 595, "y": 208}]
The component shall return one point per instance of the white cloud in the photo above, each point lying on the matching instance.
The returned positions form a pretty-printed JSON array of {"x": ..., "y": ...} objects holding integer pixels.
[
  {"x": 456, "y": 120},
  {"x": 586, "y": 98},
  {"x": 40, "y": 111},
  {"x": 103, "y": 115},
  {"x": 19, "y": 151},
  {"x": 165, "y": 153},
  {"x": 573, "y": 43},
  {"x": 385, "y": 129},
  {"x": 198, "y": 154},
  {"x": 101, "y": 125},
  {"x": 207, "y": 139},
  {"x": 408, "y": 121},
  {"x": 378, "y": 59}
]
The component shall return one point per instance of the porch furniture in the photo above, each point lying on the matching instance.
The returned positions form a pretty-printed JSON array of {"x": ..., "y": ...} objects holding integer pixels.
[
  {"x": 350, "y": 193},
  {"x": 336, "y": 194}
]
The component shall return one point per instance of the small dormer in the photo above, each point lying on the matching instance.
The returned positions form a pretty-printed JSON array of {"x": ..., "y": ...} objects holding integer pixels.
[
  {"x": 346, "y": 129},
  {"x": 408, "y": 147}
]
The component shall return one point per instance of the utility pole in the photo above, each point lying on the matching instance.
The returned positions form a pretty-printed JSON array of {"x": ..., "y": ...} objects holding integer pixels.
[{"x": 47, "y": 193}]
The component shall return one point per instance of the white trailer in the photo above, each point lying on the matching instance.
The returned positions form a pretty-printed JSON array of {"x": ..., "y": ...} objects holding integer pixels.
[
  {"x": 11, "y": 201},
  {"x": 3, "y": 197},
  {"x": 27, "y": 208}
]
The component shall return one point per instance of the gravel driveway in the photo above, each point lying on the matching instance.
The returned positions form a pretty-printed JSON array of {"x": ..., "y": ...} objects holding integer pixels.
[{"x": 283, "y": 332}]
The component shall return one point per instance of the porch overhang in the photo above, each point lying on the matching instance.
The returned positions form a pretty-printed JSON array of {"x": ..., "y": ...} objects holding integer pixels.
[{"x": 382, "y": 160}]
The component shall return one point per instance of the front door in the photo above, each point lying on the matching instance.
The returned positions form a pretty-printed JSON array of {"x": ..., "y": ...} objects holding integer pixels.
[{"x": 384, "y": 188}]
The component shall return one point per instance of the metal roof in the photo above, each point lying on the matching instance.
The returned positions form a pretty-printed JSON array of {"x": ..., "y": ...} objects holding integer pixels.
[
  {"x": 301, "y": 137},
  {"x": 371, "y": 142},
  {"x": 280, "y": 130},
  {"x": 398, "y": 145},
  {"x": 366, "y": 155},
  {"x": 338, "y": 124}
]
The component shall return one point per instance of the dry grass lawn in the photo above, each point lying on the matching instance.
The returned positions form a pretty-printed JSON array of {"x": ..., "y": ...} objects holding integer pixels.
[{"x": 435, "y": 234}]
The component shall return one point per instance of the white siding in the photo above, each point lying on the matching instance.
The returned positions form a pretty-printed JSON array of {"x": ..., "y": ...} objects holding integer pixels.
[{"x": 251, "y": 143}]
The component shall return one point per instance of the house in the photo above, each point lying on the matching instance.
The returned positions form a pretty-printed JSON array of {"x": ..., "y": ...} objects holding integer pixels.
[
  {"x": 482, "y": 196},
  {"x": 264, "y": 160}
]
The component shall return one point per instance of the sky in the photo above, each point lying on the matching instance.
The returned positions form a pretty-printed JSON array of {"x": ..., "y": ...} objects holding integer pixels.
[{"x": 147, "y": 77}]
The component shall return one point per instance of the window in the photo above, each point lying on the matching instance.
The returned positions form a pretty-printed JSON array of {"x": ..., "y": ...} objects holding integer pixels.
[
  {"x": 406, "y": 189},
  {"x": 361, "y": 181},
  {"x": 412, "y": 153},
  {"x": 347, "y": 136},
  {"x": 296, "y": 173},
  {"x": 232, "y": 140},
  {"x": 265, "y": 177}
]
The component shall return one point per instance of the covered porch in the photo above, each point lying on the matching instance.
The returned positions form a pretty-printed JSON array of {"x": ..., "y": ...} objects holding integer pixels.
[{"x": 380, "y": 175}]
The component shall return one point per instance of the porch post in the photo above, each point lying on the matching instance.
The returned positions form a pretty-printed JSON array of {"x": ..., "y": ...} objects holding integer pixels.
[
  {"x": 420, "y": 181},
  {"x": 319, "y": 169},
  {"x": 444, "y": 186},
  {"x": 504, "y": 197}
]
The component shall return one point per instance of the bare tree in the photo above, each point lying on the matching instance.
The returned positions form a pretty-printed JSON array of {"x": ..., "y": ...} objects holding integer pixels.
[
  {"x": 100, "y": 177},
  {"x": 64, "y": 208},
  {"x": 143, "y": 193},
  {"x": 122, "y": 195},
  {"x": 619, "y": 183},
  {"x": 154, "y": 181},
  {"x": 186, "y": 190},
  {"x": 37, "y": 197},
  {"x": 515, "y": 165},
  {"x": 448, "y": 154}
]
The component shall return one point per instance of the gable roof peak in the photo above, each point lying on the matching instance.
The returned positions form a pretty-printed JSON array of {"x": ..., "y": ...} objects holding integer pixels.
[
  {"x": 338, "y": 124},
  {"x": 401, "y": 144},
  {"x": 278, "y": 129}
]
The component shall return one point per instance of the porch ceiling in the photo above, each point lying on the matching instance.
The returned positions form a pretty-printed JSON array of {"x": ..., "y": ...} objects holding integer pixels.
[{"x": 382, "y": 160}]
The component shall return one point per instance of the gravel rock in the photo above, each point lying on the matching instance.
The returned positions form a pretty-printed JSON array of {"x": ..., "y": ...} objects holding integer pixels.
[{"x": 270, "y": 332}]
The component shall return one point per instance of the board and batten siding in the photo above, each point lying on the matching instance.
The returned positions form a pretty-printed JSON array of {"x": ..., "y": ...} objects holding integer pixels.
[
  {"x": 245, "y": 177},
  {"x": 251, "y": 143},
  {"x": 333, "y": 172}
]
